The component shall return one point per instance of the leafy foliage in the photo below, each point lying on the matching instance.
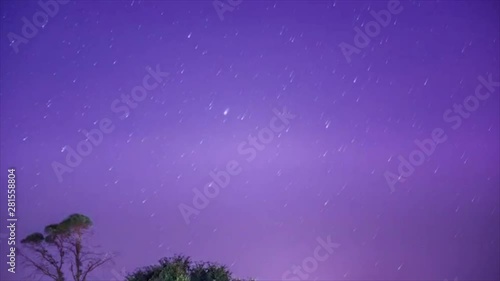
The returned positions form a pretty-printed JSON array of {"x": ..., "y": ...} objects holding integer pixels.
[
  {"x": 34, "y": 238},
  {"x": 180, "y": 268},
  {"x": 75, "y": 222},
  {"x": 63, "y": 244}
]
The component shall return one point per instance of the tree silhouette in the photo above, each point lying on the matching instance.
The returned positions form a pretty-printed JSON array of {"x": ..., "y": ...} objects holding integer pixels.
[
  {"x": 181, "y": 268},
  {"x": 63, "y": 243},
  {"x": 48, "y": 255}
]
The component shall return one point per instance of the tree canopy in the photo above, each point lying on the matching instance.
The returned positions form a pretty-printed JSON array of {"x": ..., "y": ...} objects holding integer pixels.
[
  {"x": 61, "y": 249},
  {"x": 181, "y": 268}
]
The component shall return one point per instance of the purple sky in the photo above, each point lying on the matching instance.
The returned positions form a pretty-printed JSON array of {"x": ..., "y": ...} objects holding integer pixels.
[{"x": 323, "y": 176}]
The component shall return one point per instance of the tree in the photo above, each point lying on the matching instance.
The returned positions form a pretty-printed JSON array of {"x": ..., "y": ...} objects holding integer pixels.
[
  {"x": 181, "y": 268},
  {"x": 48, "y": 255},
  {"x": 63, "y": 243}
]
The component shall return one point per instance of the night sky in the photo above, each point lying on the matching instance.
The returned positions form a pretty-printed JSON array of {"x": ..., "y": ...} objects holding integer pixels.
[{"x": 217, "y": 85}]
